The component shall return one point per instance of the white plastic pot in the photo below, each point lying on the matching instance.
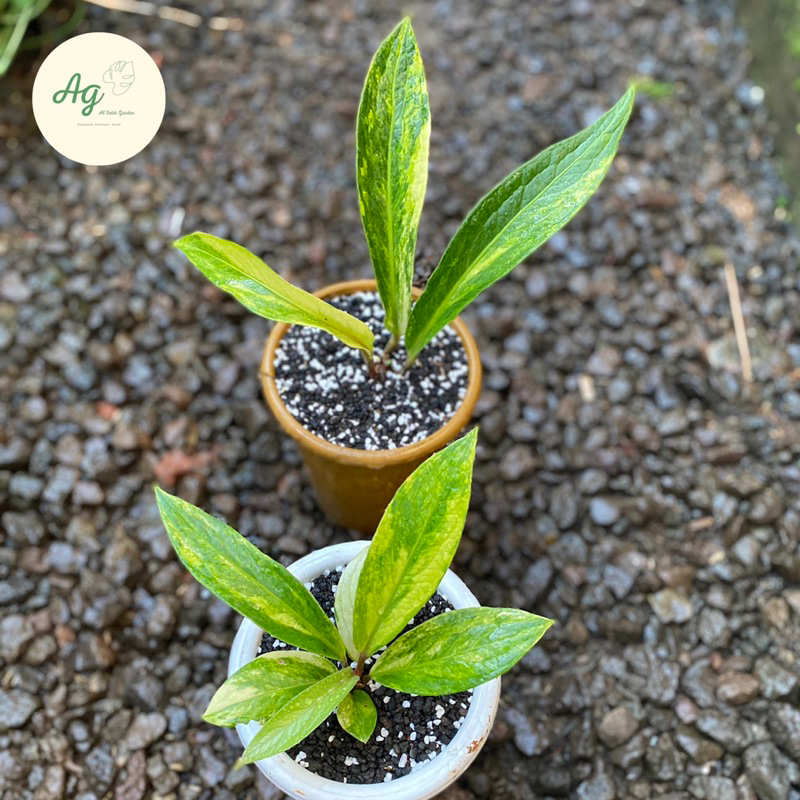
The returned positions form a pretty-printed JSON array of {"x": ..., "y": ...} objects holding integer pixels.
[{"x": 426, "y": 781}]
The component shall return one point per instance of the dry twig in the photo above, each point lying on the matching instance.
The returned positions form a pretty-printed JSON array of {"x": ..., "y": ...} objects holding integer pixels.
[
  {"x": 738, "y": 322},
  {"x": 188, "y": 18}
]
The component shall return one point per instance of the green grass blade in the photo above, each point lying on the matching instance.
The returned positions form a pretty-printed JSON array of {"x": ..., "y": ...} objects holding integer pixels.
[
  {"x": 458, "y": 650},
  {"x": 392, "y": 137},
  {"x": 301, "y": 715},
  {"x": 261, "y": 290},
  {"x": 260, "y": 688},
  {"x": 413, "y": 545},
  {"x": 12, "y": 43},
  {"x": 521, "y": 213},
  {"x": 249, "y": 581}
]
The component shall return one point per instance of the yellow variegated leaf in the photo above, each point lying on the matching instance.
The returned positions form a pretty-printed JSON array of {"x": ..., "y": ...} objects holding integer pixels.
[
  {"x": 458, "y": 650},
  {"x": 248, "y": 580},
  {"x": 413, "y": 545},
  {"x": 260, "y": 688},
  {"x": 521, "y": 213},
  {"x": 295, "y": 720},
  {"x": 392, "y": 167},
  {"x": 260, "y": 289}
]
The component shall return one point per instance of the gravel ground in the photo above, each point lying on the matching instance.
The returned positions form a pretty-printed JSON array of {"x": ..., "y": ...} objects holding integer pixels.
[{"x": 625, "y": 484}]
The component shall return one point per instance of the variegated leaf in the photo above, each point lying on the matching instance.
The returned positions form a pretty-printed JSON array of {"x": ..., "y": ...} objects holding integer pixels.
[
  {"x": 513, "y": 219},
  {"x": 414, "y": 545},
  {"x": 357, "y": 715},
  {"x": 249, "y": 581},
  {"x": 260, "y": 688},
  {"x": 458, "y": 650},
  {"x": 260, "y": 289},
  {"x": 294, "y": 721},
  {"x": 392, "y": 166}
]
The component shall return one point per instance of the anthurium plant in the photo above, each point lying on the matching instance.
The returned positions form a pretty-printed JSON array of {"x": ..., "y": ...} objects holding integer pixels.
[
  {"x": 393, "y": 129},
  {"x": 291, "y": 692}
]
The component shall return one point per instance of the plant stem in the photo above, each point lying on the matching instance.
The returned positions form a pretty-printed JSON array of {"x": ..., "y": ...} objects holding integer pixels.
[
  {"x": 370, "y": 362},
  {"x": 359, "y": 671},
  {"x": 393, "y": 342}
]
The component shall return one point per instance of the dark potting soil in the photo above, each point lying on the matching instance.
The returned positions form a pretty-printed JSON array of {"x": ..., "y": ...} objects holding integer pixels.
[
  {"x": 410, "y": 731},
  {"x": 327, "y": 388}
]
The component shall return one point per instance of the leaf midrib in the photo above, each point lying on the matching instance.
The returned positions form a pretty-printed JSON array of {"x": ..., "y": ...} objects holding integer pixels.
[{"x": 389, "y": 194}]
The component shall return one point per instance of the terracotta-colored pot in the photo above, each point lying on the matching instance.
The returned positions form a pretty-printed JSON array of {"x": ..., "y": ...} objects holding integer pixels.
[{"x": 353, "y": 487}]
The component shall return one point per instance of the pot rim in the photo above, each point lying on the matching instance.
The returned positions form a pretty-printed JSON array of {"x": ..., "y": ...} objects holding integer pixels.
[
  {"x": 371, "y": 458},
  {"x": 423, "y": 783}
]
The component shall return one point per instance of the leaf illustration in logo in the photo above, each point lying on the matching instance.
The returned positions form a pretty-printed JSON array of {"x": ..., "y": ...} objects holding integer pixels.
[{"x": 121, "y": 75}]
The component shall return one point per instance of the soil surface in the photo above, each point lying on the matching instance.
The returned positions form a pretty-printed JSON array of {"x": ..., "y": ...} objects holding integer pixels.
[
  {"x": 627, "y": 483},
  {"x": 327, "y": 388}
]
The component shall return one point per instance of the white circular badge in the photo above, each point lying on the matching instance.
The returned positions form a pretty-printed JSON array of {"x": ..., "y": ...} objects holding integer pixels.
[{"x": 99, "y": 98}]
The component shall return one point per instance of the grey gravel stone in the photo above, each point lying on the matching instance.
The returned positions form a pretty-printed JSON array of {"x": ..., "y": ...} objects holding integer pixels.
[
  {"x": 617, "y": 726},
  {"x": 100, "y": 767},
  {"x": 712, "y": 787},
  {"x": 713, "y": 628},
  {"x": 726, "y": 729},
  {"x": 671, "y": 606},
  {"x": 603, "y": 511},
  {"x": 770, "y": 772},
  {"x": 16, "y": 632},
  {"x": 16, "y": 708},
  {"x": 776, "y": 681},
  {"x": 697, "y": 747},
  {"x": 145, "y": 729},
  {"x": 784, "y": 725}
]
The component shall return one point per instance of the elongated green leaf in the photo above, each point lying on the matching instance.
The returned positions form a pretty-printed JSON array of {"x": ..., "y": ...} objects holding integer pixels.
[
  {"x": 521, "y": 213},
  {"x": 357, "y": 715},
  {"x": 260, "y": 289},
  {"x": 260, "y": 688},
  {"x": 294, "y": 721},
  {"x": 394, "y": 126},
  {"x": 345, "y": 602},
  {"x": 458, "y": 650},
  {"x": 246, "y": 579},
  {"x": 414, "y": 545}
]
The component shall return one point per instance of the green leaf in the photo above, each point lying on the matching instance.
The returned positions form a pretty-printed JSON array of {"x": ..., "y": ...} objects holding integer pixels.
[
  {"x": 414, "y": 545},
  {"x": 394, "y": 126},
  {"x": 345, "y": 602},
  {"x": 246, "y": 579},
  {"x": 260, "y": 688},
  {"x": 261, "y": 290},
  {"x": 357, "y": 715},
  {"x": 458, "y": 650},
  {"x": 299, "y": 716},
  {"x": 521, "y": 213}
]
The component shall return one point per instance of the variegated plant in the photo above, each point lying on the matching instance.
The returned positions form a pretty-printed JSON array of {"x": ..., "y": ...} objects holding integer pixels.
[
  {"x": 291, "y": 692},
  {"x": 521, "y": 213}
]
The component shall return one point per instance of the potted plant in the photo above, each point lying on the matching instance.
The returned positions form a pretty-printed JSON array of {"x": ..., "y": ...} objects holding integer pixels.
[
  {"x": 369, "y": 650},
  {"x": 367, "y": 414}
]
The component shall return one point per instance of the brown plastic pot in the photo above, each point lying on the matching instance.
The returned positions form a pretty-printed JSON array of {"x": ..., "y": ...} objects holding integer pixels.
[{"x": 353, "y": 487}]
